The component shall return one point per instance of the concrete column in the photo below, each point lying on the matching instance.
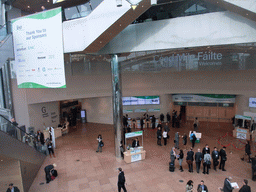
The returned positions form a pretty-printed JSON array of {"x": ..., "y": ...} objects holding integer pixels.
[{"x": 117, "y": 103}]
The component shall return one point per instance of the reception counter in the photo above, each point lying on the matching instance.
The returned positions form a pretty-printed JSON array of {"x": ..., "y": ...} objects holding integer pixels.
[{"x": 134, "y": 154}]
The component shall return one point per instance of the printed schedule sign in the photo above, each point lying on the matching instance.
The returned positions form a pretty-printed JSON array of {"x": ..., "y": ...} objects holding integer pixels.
[{"x": 38, "y": 48}]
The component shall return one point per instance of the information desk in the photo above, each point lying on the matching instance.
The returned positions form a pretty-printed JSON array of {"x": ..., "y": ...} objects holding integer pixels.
[
  {"x": 241, "y": 133},
  {"x": 134, "y": 154}
]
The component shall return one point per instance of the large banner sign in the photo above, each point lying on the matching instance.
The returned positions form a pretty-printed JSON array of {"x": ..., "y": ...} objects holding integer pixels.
[
  {"x": 38, "y": 48},
  {"x": 207, "y": 98},
  {"x": 141, "y": 100}
]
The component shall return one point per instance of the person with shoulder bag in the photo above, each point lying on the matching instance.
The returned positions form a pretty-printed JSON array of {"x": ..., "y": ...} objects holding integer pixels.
[
  {"x": 207, "y": 162},
  {"x": 100, "y": 143}
]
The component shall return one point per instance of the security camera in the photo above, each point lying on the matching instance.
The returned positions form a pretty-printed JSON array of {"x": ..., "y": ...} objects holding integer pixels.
[{"x": 119, "y": 3}]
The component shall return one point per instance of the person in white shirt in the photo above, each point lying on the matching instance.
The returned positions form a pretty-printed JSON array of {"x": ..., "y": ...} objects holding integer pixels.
[{"x": 165, "y": 137}]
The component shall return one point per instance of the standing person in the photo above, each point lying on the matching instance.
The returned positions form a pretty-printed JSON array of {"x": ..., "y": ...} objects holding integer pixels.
[
  {"x": 40, "y": 137},
  {"x": 227, "y": 185},
  {"x": 180, "y": 158},
  {"x": 215, "y": 158},
  {"x": 198, "y": 159},
  {"x": 141, "y": 123},
  {"x": 190, "y": 159},
  {"x": 121, "y": 180},
  {"x": 48, "y": 170},
  {"x": 223, "y": 158},
  {"x": 12, "y": 188},
  {"x": 99, "y": 143},
  {"x": 162, "y": 117},
  {"x": 245, "y": 187},
  {"x": 136, "y": 143},
  {"x": 159, "y": 136},
  {"x": 166, "y": 127},
  {"x": 165, "y": 136},
  {"x": 193, "y": 138},
  {"x": 196, "y": 124},
  {"x": 202, "y": 186},
  {"x": 173, "y": 155},
  {"x": 122, "y": 149},
  {"x": 153, "y": 120},
  {"x": 176, "y": 140},
  {"x": 173, "y": 118},
  {"x": 206, "y": 149},
  {"x": 207, "y": 162},
  {"x": 50, "y": 149},
  {"x": 248, "y": 150},
  {"x": 168, "y": 117},
  {"x": 189, "y": 186},
  {"x": 185, "y": 139}
]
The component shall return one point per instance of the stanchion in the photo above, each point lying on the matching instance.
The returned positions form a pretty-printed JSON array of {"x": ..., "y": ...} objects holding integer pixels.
[{"x": 231, "y": 147}]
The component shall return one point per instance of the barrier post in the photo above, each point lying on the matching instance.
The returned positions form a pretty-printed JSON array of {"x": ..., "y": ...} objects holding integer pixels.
[{"x": 231, "y": 147}]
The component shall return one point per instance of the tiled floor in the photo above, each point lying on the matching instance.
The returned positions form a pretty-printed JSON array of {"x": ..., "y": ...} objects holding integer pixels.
[{"x": 80, "y": 168}]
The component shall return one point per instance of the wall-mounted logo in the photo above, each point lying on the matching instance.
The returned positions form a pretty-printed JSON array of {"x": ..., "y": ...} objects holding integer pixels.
[
  {"x": 41, "y": 57},
  {"x": 19, "y": 27},
  {"x": 44, "y": 112},
  {"x": 21, "y": 60},
  {"x": 43, "y": 69}
]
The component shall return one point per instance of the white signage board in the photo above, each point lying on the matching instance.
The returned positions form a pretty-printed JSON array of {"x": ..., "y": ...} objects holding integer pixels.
[
  {"x": 252, "y": 102},
  {"x": 204, "y": 98},
  {"x": 133, "y": 134},
  {"x": 38, "y": 48},
  {"x": 136, "y": 157}
]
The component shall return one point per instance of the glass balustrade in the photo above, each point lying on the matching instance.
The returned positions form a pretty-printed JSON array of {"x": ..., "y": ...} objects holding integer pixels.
[{"x": 19, "y": 133}]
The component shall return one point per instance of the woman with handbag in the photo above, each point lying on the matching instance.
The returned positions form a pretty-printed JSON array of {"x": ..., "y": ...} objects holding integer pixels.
[
  {"x": 180, "y": 158},
  {"x": 100, "y": 143},
  {"x": 207, "y": 162}
]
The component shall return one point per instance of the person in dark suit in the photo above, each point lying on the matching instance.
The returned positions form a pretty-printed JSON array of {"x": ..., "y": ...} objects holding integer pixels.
[
  {"x": 202, "y": 186},
  {"x": 215, "y": 158},
  {"x": 12, "y": 188},
  {"x": 198, "y": 159},
  {"x": 190, "y": 159},
  {"x": 121, "y": 180},
  {"x": 40, "y": 137},
  {"x": 141, "y": 123},
  {"x": 248, "y": 150},
  {"x": 162, "y": 117},
  {"x": 245, "y": 187},
  {"x": 206, "y": 149},
  {"x": 135, "y": 143},
  {"x": 159, "y": 136},
  {"x": 227, "y": 185},
  {"x": 168, "y": 117},
  {"x": 223, "y": 158},
  {"x": 47, "y": 171},
  {"x": 153, "y": 120}
]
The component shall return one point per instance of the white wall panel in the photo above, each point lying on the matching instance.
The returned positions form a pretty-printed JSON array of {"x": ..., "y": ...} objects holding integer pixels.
[{"x": 245, "y": 4}]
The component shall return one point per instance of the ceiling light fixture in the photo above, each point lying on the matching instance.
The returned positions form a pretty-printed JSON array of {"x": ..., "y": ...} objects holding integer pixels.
[{"x": 134, "y": 3}]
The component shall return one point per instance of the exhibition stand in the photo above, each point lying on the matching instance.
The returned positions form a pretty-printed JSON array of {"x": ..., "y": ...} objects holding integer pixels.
[
  {"x": 198, "y": 136},
  {"x": 242, "y": 127},
  {"x": 134, "y": 154}
]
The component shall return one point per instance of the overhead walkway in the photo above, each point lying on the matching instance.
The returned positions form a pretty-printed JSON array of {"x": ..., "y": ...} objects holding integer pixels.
[
  {"x": 91, "y": 33},
  {"x": 22, "y": 150}
]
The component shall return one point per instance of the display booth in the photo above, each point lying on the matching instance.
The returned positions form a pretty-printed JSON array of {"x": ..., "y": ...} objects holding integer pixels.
[
  {"x": 198, "y": 136},
  {"x": 242, "y": 127},
  {"x": 133, "y": 154}
]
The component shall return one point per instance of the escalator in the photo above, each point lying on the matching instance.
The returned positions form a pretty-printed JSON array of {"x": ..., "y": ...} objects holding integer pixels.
[{"x": 21, "y": 152}]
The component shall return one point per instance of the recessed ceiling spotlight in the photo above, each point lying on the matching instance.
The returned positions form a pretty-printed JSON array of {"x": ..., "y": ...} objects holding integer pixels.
[
  {"x": 48, "y": 1},
  {"x": 28, "y": 6},
  {"x": 2, "y": 160}
]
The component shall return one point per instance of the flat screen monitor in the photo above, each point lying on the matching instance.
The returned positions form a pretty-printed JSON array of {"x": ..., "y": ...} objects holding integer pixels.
[{"x": 252, "y": 102}]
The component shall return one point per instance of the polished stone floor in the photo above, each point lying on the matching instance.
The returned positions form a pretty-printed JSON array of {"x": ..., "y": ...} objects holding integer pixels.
[{"x": 80, "y": 168}]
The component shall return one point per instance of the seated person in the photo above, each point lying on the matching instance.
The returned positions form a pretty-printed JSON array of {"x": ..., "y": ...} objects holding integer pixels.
[{"x": 135, "y": 143}]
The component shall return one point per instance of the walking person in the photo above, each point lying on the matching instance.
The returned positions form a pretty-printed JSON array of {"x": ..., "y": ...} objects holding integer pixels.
[
  {"x": 180, "y": 158},
  {"x": 207, "y": 163},
  {"x": 176, "y": 140},
  {"x": 50, "y": 149},
  {"x": 185, "y": 139},
  {"x": 196, "y": 124},
  {"x": 198, "y": 159},
  {"x": 202, "y": 187},
  {"x": 165, "y": 137},
  {"x": 248, "y": 150},
  {"x": 99, "y": 143},
  {"x": 12, "y": 188},
  {"x": 166, "y": 127},
  {"x": 159, "y": 136},
  {"x": 121, "y": 180},
  {"x": 223, "y": 158},
  {"x": 168, "y": 117},
  {"x": 153, "y": 120}
]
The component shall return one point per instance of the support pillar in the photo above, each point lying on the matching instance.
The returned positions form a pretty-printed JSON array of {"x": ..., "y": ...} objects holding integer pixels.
[{"x": 117, "y": 103}]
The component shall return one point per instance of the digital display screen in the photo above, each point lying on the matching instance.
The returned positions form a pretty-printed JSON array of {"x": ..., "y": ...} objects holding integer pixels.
[{"x": 141, "y": 100}]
